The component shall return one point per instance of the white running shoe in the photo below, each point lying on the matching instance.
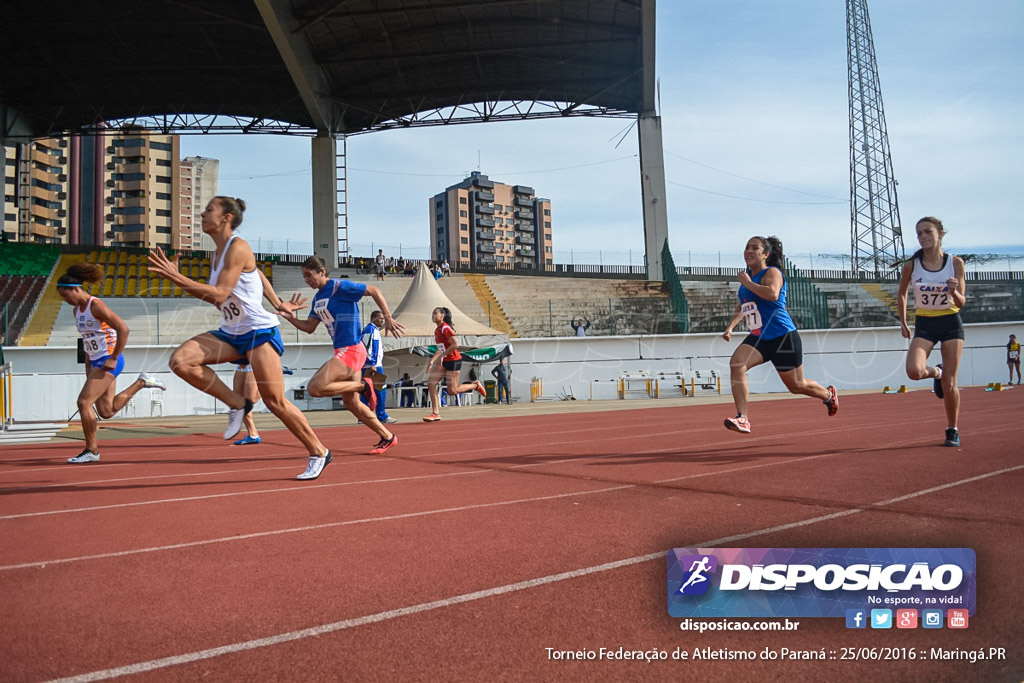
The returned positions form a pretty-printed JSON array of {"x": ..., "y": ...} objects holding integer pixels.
[
  {"x": 235, "y": 417},
  {"x": 152, "y": 382},
  {"x": 85, "y": 456},
  {"x": 391, "y": 420},
  {"x": 315, "y": 466}
]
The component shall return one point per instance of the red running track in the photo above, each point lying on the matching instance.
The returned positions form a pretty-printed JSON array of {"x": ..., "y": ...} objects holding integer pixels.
[{"x": 474, "y": 546}]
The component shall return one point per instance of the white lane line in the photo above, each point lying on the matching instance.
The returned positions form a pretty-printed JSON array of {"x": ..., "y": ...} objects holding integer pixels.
[
  {"x": 276, "y": 532},
  {"x": 285, "y": 489},
  {"x": 178, "y": 660},
  {"x": 312, "y": 527}
]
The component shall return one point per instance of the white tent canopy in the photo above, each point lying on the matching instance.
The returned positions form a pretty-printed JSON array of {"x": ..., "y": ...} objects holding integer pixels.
[{"x": 422, "y": 297}]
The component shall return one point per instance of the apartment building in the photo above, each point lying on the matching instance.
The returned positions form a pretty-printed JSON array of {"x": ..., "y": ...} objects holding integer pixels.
[
  {"x": 198, "y": 185},
  {"x": 36, "y": 185},
  {"x": 115, "y": 188},
  {"x": 485, "y": 223}
]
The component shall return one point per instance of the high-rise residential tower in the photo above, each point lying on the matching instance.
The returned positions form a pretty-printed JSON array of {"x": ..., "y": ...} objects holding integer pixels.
[
  {"x": 201, "y": 174},
  {"x": 479, "y": 222}
]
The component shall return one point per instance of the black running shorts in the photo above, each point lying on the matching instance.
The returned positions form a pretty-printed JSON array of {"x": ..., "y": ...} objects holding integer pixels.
[
  {"x": 785, "y": 353},
  {"x": 940, "y": 328}
]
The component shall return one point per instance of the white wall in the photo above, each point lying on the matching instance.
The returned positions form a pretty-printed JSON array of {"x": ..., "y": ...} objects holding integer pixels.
[{"x": 47, "y": 379}]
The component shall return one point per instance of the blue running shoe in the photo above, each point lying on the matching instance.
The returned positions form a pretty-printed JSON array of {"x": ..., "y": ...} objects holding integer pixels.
[
  {"x": 248, "y": 441},
  {"x": 952, "y": 437},
  {"x": 937, "y": 383}
]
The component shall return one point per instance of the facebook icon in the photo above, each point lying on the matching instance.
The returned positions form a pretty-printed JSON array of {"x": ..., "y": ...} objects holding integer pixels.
[{"x": 856, "y": 618}]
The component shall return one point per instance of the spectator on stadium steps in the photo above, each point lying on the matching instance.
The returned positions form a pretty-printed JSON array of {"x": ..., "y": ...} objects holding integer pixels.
[
  {"x": 580, "y": 327},
  {"x": 381, "y": 263}
]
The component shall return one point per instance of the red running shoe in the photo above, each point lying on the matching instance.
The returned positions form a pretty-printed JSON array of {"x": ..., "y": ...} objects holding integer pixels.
[
  {"x": 738, "y": 424},
  {"x": 433, "y": 417},
  {"x": 480, "y": 388},
  {"x": 370, "y": 394},
  {"x": 384, "y": 444},
  {"x": 833, "y": 401}
]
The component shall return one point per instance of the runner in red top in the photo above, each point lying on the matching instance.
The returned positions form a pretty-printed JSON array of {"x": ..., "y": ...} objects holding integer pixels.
[{"x": 449, "y": 367}]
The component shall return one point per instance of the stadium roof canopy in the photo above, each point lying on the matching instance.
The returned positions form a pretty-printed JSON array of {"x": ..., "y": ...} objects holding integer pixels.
[{"x": 307, "y": 66}]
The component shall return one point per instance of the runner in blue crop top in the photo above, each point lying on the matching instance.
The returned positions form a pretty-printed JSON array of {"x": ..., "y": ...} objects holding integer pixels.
[
  {"x": 335, "y": 304},
  {"x": 772, "y": 334}
]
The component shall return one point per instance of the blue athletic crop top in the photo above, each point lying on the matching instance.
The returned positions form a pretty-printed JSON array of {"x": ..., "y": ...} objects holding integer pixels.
[
  {"x": 765, "y": 319},
  {"x": 336, "y": 306}
]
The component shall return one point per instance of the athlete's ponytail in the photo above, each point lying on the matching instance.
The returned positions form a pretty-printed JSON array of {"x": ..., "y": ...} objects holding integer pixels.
[
  {"x": 446, "y": 315},
  {"x": 80, "y": 273},
  {"x": 772, "y": 246}
]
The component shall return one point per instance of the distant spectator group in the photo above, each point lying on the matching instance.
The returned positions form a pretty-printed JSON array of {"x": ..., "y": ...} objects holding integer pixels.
[{"x": 382, "y": 265}]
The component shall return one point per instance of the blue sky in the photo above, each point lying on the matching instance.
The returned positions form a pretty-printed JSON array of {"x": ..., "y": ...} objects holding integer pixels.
[{"x": 753, "y": 95}]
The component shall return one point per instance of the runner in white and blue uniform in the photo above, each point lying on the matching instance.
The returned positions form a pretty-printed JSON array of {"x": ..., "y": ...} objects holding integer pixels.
[
  {"x": 336, "y": 305},
  {"x": 772, "y": 334},
  {"x": 939, "y": 294},
  {"x": 104, "y": 335},
  {"x": 374, "y": 364},
  {"x": 237, "y": 287}
]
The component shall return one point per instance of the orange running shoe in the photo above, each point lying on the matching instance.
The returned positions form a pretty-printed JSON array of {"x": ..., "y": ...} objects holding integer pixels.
[
  {"x": 833, "y": 401},
  {"x": 433, "y": 417},
  {"x": 370, "y": 394},
  {"x": 480, "y": 388},
  {"x": 384, "y": 444}
]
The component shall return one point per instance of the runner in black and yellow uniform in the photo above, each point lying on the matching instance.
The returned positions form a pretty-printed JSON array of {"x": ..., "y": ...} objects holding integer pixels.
[{"x": 939, "y": 293}]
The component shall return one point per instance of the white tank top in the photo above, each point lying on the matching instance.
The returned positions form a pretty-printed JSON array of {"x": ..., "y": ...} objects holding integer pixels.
[
  {"x": 931, "y": 292},
  {"x": 98, "y": 338},
  {"x": 243, "y": 310}
]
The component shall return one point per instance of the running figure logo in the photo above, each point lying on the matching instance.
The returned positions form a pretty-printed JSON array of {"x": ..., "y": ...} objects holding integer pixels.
[{"x": 696, "y": 581}]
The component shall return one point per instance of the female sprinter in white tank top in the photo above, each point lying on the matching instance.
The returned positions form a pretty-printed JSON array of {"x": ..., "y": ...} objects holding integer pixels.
[
  {"x": 939, "y": 294},
  {"x": 237, "y": 287},
  {"x": 104, "y": 336}
]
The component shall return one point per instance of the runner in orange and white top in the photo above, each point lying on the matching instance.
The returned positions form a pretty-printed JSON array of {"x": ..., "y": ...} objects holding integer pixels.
[
  {"x": 449, "y": 367},
  {"x": 104, "y": 336}
]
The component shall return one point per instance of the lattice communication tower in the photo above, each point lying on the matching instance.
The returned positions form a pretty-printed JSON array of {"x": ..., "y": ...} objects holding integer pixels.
[{"x": 876, "y": 238}]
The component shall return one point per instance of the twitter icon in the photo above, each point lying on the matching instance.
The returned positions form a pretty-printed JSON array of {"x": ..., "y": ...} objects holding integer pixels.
[{"x": 881, "y": 618}]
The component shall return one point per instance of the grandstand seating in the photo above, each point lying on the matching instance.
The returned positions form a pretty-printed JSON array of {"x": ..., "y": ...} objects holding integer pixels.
[
  {"x": 543, "y": 307},
  {"x": 24, "y": 269},
  {"x": 536, "y": 306}
]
